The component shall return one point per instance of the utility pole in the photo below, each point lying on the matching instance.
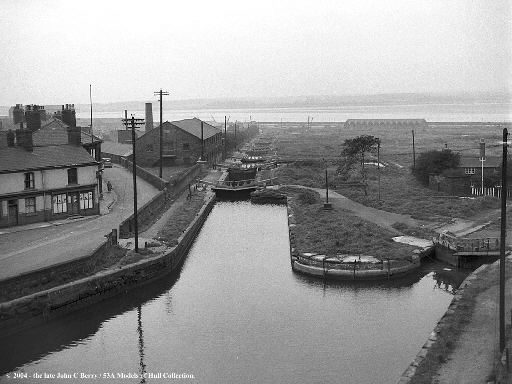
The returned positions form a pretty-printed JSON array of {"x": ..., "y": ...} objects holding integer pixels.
[
  {"x": 413, "y": 152},
  {"x": 134, "y": 122},
  {"x": 378, "y": 164},
  {"x": 202, "y": 142},
  {"x": 503, "y": 238},
  {"x": 225, "y": 136},
  {"x": 90, "y": 99},
  {"x": 161, "y": 93},
  {"x": 482, "y": 159}
]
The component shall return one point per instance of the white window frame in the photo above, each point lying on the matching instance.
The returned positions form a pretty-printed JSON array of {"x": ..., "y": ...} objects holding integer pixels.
[
  {"x": 469, "y": 171},
  {"x": 30, "y": 208},
  {"x": 86, "y": 200},
  {"x": 60, "y": 203}
]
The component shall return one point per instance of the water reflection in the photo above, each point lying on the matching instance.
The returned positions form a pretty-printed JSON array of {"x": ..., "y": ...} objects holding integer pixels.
[
  {"x": 237, "y": 313},
  {"x": 142, "y": 371}
]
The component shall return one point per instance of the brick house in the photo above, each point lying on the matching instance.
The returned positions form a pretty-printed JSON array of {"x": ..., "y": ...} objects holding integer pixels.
[
  {"x": 46, "y": 182},
  {"x": 181, "y": 143},
  {"x": 55, "y": 132},
  {"x": 472, "y": 167}
]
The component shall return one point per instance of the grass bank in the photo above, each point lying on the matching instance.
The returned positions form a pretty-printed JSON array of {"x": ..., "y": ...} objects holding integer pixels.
[
  {"x": 181, "y": 218},
  {"x": 338, "y": 231},
  {"x": 400, "y": 192}
]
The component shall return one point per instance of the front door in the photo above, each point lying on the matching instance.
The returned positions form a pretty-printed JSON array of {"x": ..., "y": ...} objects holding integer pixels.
[
  {"x": 73, "y": 203},
  {"x": 13, "y": 212}
]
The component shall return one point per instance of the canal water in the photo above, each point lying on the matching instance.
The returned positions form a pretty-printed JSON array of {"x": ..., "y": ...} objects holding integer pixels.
[{"x": 236, "y": 313}]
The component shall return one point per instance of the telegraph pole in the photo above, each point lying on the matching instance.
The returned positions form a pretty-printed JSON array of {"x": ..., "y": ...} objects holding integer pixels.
[
  {"x": 503, "y": 238},
  {"x": 413, "y": 152},
  {"x": 482, "y": 159},
  {"x": 225, "y": 136},
  {"x": 161, "y": 93},
  {"x": 378, "y": 164},
  {"x": 202, "y": 142},
  {"x": 134, "y": 122}
]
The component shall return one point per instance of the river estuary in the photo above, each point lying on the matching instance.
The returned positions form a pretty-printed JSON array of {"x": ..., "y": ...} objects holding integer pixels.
[{"x": 236, "y": 313}]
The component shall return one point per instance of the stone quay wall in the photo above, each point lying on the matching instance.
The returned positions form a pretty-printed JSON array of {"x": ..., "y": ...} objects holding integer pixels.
[
  {"x": 153, "y": 208},
  {"x": 31, "y": 309},
  {"x": 409, "y": 373}
]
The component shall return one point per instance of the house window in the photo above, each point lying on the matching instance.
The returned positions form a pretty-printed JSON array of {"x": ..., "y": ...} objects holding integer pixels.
[
  {"x": 149, "y": 147},
  {"x": 469, "y": 171},
  {"x": 30, "y": 205},
  {"x": 59, "y": 203},
  {"x": 72, "y": 176},
  {"x": 86, "y": 201},
  {"x": 186, "y": 146},
  {"x": 29, "y": 180}
]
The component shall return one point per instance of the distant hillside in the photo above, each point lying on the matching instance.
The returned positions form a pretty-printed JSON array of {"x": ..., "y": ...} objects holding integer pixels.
[{"x": 299, "y": 101}]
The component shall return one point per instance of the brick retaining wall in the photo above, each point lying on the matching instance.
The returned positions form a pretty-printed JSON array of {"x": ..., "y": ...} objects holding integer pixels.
[
  {"x": 34, "y": 308},
  {"x": 66, "y": 269}
]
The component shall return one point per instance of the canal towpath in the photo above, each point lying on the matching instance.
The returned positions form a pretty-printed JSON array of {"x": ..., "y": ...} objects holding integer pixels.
[
  {"x": 381, "y": 218},
  {"x": 475, "y": 353}
]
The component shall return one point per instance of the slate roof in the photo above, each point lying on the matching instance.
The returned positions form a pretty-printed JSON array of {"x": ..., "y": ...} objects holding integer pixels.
[
  {"x": 16, "y": 159},
  {"x": 54, "y": 132},
  {"x": 474, "y": 162},
  {"x": 193, "y": 126}
]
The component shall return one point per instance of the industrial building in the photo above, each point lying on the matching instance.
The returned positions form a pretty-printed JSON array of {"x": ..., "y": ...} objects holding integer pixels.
[{"x": 182, "y": 143}]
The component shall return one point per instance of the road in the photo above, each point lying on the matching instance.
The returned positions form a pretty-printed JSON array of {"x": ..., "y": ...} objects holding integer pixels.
[{"x": 32, "y": 249}]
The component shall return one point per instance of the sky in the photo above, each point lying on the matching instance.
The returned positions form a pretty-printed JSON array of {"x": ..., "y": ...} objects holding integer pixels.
[{"x": 52, "y": 49}]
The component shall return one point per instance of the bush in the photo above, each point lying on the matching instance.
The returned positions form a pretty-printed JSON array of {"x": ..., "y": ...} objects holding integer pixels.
[{"x": 435, "y": 162}]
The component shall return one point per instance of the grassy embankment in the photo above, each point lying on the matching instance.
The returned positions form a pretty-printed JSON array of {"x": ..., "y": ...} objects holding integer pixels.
[
  {"x": 338, "y": 231},
  {"x": 400, "y": 191},
  {"x": 184, "y": 214}
]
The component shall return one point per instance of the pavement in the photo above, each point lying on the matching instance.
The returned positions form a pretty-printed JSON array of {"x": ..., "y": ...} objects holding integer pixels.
[
  {"x": 473, "y": 358},
  {"x": 40, "y": 245}
]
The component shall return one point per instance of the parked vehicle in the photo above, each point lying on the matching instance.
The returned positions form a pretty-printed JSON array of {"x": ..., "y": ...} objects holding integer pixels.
[{"x": 107, "y": 162}]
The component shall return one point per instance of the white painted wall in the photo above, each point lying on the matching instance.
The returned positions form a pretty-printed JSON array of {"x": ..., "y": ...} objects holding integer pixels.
[{"x": 51, "y": 178}]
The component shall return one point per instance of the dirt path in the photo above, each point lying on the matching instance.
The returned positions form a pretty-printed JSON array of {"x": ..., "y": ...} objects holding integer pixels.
[
  {"x": 373, "y": 215},
  {"x": 472, "y": 360}
]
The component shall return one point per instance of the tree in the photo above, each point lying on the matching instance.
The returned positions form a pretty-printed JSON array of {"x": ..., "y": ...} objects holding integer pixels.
[
  {"x": 359, "y": 146},
  {"x": 354, "y": 150},
  {"x": 434, "y": 162}
]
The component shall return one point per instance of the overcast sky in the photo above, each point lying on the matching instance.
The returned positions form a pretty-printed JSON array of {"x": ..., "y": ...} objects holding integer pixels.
[{"x": 52, "y": 50}]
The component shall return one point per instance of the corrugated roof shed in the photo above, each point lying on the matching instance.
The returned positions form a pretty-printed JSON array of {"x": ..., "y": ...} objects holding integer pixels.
[{"x": 15, "y": 159}]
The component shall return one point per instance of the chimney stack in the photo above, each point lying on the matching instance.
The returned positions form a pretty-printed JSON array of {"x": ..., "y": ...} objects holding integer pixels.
[
  {"x": 18, "y": 114},
  {"x": 75, "y": 136},
  {"x": 69, "y": 115},
  {"x": 33, "y": 117},
  {"x": 149, "y": 117},
  {"x": 10, "y": 138},
  {"x": 24, "y": 139}
]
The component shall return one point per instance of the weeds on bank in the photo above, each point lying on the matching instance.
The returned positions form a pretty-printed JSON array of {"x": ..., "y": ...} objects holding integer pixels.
[
  {"x": 338, "y": 231},
  {"x": 181, "y": 218},
  {"x": 400, "y": 192},
  {"x": 453, "y": 326}
]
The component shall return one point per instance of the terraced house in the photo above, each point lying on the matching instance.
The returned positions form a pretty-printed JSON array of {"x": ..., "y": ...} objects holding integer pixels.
[{"x": 47, "y": 182}]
